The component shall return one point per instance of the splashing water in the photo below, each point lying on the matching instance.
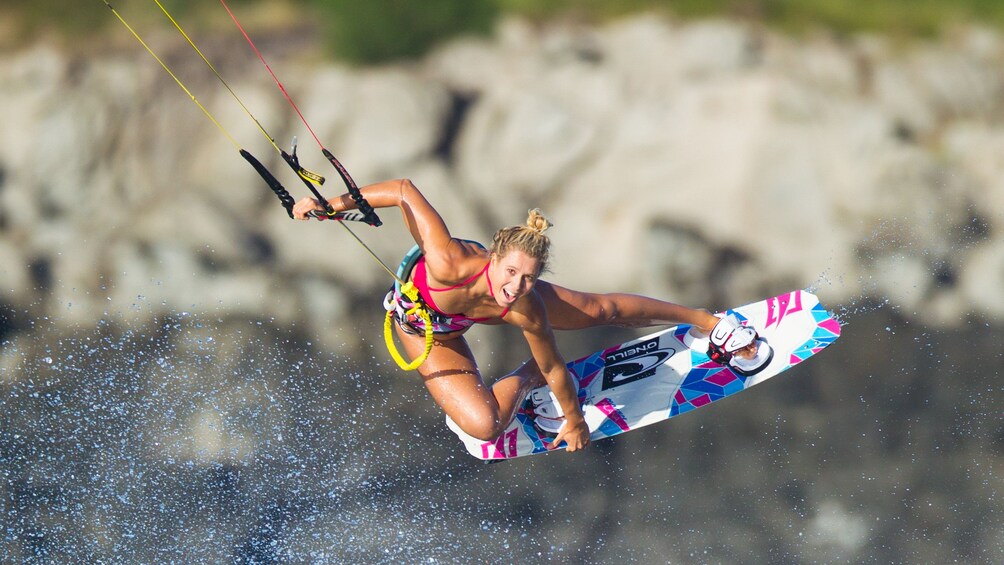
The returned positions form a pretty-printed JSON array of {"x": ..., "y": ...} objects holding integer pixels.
[{"x": 196, "y": 438}]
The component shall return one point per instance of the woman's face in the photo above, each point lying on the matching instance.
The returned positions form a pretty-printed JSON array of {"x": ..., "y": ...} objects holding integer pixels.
[{"x": 513, "y": 276}]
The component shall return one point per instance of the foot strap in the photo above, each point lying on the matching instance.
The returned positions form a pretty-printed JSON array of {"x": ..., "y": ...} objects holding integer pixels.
[
  {"x": 749, "y": 367},
  {"x": 549, "y": 417}
]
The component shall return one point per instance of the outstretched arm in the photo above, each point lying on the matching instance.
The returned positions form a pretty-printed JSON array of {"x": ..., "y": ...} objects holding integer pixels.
[
  {"x": 531, "y": 317},
  {"x": 423, "y": 221}
]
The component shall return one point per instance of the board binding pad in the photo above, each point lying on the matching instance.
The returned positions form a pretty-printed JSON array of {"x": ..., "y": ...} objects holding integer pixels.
[{"x": 668, "y": 373}]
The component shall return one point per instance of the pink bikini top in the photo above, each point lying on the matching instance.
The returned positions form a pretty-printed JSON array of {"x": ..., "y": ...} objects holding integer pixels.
[{"x": 421, "y": 280}]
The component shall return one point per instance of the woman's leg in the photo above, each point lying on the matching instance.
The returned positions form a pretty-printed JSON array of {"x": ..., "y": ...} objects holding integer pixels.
[
  {"x": 451, "y": 375},
  {"x": 569, "y": 309}
]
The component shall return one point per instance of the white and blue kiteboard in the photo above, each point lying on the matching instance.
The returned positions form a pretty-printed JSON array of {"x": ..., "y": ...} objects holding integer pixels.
[{"x": 668, "y": 373}]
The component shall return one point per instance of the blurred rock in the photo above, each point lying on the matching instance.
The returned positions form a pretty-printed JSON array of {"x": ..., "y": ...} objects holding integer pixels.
[{"x": 707, "y": 163}]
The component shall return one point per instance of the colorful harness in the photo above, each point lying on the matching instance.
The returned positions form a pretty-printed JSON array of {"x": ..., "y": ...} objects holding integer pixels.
[{"x": 404, "y": 308}]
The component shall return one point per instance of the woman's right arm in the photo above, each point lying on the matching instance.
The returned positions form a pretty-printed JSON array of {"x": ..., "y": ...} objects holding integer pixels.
[{"x": 423, "y": 221}]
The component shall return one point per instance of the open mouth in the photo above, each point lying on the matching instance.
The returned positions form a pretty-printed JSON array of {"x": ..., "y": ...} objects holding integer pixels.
[{"x": 508, "y": 296}]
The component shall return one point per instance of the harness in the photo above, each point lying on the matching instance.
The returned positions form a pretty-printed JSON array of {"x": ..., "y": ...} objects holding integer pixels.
[
  {"x": 404, "y": 304},
  {"x": 403, "y": 307}
]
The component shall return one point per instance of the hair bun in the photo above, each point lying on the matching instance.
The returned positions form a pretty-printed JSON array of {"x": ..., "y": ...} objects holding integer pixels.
[{"x": 536, "y": 221}]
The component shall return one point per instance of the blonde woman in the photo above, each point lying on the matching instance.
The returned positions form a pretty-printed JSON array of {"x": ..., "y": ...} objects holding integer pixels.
[{"x": 463, "y": 283}]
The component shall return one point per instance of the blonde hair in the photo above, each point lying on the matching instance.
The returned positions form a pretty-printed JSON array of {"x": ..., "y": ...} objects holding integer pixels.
[{"x": 528, "y": 238}]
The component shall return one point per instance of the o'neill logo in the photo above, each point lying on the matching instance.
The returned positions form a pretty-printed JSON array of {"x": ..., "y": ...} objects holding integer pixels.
[{"x": 634, "y": 363}]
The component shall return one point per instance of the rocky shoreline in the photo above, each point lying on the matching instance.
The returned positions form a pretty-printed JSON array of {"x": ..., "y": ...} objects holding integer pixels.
[{"x": 671, "y": 155}]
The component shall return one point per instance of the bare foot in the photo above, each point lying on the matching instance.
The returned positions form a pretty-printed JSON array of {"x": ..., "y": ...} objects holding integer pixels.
[{"x": 749, "y": 351}]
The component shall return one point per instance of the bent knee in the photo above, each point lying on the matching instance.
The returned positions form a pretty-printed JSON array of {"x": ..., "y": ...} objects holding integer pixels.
[
  {"x": 483, "y": 428},
  {"x": 484, "y": 431}
]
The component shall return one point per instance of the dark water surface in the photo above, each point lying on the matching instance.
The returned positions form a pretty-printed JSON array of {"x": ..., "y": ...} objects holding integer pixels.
[{"x": 202, "y": 440}]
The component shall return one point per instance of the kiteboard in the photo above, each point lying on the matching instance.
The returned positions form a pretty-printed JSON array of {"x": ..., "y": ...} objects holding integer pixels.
[{"x": 668, "y": 373}]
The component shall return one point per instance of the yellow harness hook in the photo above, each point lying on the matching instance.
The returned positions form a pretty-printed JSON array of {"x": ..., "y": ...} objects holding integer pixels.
[{"x": 419, "y": 309}]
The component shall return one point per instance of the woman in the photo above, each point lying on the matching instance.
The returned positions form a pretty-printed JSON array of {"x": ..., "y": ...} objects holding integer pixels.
[{"x": 501, "y": 285}]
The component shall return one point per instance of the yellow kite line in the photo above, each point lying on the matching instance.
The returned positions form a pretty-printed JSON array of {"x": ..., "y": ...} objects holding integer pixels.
[
  {"x": 312, "y": 177},
  {"x": 174, "y": 76},
  {"x": 303, "y": 173}
]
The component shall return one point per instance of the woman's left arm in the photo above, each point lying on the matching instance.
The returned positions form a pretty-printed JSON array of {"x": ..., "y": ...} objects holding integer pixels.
[{"x": 532, "y": 319}]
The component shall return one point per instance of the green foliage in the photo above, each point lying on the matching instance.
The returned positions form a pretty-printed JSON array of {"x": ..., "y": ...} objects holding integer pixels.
[
  {"x": 374, "y": 31},
  {"x": 72, "y": 18},
  {"x": 89, "y": 17},
  {"x": 588, "y": 10},
  {"x": 905, "y": 18},
  {"x": 384, "y": 30},
  {"x": 902, "y": 18}
]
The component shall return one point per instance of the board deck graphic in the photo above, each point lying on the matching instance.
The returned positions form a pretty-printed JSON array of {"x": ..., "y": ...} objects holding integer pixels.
[{"x": 668, "y": 373}]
